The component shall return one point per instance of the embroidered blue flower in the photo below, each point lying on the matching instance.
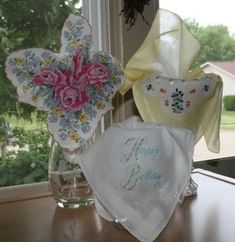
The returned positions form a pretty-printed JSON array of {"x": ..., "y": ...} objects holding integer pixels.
[{"x": 177, "y": 101}]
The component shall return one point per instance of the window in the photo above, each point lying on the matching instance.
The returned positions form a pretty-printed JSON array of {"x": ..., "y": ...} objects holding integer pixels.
[
  {"x": 38, "y": 24},
  {"x": 35, "y": 21},
  {"x": 205, "y": 15},
  {"x": 23, "y": 135}
]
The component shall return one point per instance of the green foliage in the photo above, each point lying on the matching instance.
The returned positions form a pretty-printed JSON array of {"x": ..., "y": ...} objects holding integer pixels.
[
  {"x": 216, "y": 42},
  {"x": 229, "y": 103},
  {"x": 30, "y": 163},
  {"x": 26, "y": 24},
  {"x": 3, "y": 129}
]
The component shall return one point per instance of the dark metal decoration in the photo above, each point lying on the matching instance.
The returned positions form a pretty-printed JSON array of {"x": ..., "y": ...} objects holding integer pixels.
[{"x": 131, "y": 9}]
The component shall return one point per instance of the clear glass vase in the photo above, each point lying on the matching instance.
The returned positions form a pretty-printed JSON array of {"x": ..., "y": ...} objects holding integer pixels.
[{"x": 66, "y": 179}]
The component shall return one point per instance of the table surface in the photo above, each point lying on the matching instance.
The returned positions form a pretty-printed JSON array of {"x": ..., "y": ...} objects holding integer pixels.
[{"x": 207, "y": 217}]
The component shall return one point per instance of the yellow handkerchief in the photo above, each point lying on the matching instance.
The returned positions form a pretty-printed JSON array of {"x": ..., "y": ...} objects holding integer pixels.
[{"x": 185, "y": 98}]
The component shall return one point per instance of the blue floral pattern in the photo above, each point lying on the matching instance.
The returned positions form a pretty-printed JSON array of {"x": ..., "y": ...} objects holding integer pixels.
[
  {"x": 178, "y": 97},
  {"x": 177, "y": 101},
  {"x": 70, "y": 126}
]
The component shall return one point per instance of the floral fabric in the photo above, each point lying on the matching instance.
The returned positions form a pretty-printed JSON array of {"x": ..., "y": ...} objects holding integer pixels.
[{"x": 75, "y": 86}]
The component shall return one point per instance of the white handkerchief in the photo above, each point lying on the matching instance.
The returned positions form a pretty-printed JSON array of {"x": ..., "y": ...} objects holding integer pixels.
[{"x": 138, "y": 171}]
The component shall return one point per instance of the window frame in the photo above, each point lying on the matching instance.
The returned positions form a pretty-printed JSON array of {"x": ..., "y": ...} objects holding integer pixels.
[{"x": 110, "y": 34}]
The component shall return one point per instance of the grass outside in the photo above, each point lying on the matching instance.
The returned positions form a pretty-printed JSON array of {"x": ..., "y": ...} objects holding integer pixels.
[
  {"x": 35, "y": 123},
  {"x": 228, "y": 120}
]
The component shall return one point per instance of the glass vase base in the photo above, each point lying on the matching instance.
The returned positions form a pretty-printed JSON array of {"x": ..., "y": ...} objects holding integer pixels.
[
  {"x": 67, "y": 181},
  {"x": 72, "y": 205},
  {"x": 70, "y": 189}
]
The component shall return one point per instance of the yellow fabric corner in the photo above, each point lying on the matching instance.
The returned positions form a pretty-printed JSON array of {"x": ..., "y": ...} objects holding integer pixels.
[{"x": 168, "y": 49}]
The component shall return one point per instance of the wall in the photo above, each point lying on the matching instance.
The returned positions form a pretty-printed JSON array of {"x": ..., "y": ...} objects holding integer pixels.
[
  {"x": 123, "y": 44},
  {"x": 228, "y": 80}
]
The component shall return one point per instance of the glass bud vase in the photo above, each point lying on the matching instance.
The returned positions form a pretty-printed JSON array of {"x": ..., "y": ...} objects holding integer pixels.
[{"x": 66, "y": 179}]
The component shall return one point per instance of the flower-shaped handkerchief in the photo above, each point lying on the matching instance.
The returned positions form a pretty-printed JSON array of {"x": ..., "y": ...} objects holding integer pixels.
[
  {"x": 75, "y": 86},
  {"x": 140, "y": 175}
]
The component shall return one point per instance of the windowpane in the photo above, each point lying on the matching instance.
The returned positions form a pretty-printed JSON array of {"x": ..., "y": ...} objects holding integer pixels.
[
  {"x": 216, "y": 33},
  {"x": 24, "y": 140}
]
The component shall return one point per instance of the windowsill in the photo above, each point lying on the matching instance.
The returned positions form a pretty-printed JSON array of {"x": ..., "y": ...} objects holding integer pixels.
[
  {"x": 24, "y": 192},
  {"x": 224, "y": 166}
]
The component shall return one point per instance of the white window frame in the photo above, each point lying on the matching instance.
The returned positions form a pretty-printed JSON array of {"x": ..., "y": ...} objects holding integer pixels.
[
  {"x": 110, "y": 34},
  {"x": 97, "y": 13}
]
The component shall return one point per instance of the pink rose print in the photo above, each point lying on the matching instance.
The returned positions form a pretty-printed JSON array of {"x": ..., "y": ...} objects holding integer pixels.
[
  {"x": 71, "y": 87},
  {"x": 71, "y": 97},
  {"x": 48, "y": 77},
  {"x": 77, "y": 61},
  {"x": 97, "y": 73},
  {"x": 62, "y": 78}
]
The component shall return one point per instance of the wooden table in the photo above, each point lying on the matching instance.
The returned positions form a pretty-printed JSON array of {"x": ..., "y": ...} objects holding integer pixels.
[{"x": 29, "y": 214}]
